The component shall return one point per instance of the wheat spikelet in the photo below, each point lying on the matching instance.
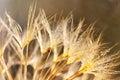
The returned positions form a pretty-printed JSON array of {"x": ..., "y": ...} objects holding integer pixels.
[{"x": 53, "y": 52}]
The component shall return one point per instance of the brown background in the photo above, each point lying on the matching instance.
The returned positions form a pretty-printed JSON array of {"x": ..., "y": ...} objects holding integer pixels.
[{"x": 105, "y": 12}]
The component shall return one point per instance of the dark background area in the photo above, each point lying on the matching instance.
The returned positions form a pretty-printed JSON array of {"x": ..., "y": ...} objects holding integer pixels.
[{"x": 105, "y": 12}]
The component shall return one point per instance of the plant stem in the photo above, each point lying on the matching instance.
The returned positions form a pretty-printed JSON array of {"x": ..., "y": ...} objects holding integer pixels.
[{"x": 6, "y": 69}]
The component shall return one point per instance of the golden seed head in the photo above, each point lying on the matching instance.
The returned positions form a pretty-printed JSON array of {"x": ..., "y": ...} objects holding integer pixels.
[{"x": 53, "y": 52}]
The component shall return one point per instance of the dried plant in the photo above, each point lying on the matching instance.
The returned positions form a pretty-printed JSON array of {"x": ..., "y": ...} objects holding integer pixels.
[{"x": 50, "y": 50}]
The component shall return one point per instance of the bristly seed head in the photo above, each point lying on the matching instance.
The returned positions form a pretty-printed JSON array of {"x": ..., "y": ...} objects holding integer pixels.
[{"x": 53, "y": 52}]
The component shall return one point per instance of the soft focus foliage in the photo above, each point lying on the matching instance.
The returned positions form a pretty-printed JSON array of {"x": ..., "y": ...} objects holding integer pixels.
[{"x": 54, "y": 50}]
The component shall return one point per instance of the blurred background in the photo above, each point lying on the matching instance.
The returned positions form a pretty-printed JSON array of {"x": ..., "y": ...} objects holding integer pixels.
[{"x": 106, "y": 13}]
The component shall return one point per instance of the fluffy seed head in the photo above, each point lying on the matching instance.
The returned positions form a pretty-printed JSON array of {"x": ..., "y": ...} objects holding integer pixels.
[{"x": 49, "y": 50}]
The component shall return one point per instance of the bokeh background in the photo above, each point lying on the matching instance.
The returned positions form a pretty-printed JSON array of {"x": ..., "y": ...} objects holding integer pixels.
[{"x": 106, "y": 13}]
